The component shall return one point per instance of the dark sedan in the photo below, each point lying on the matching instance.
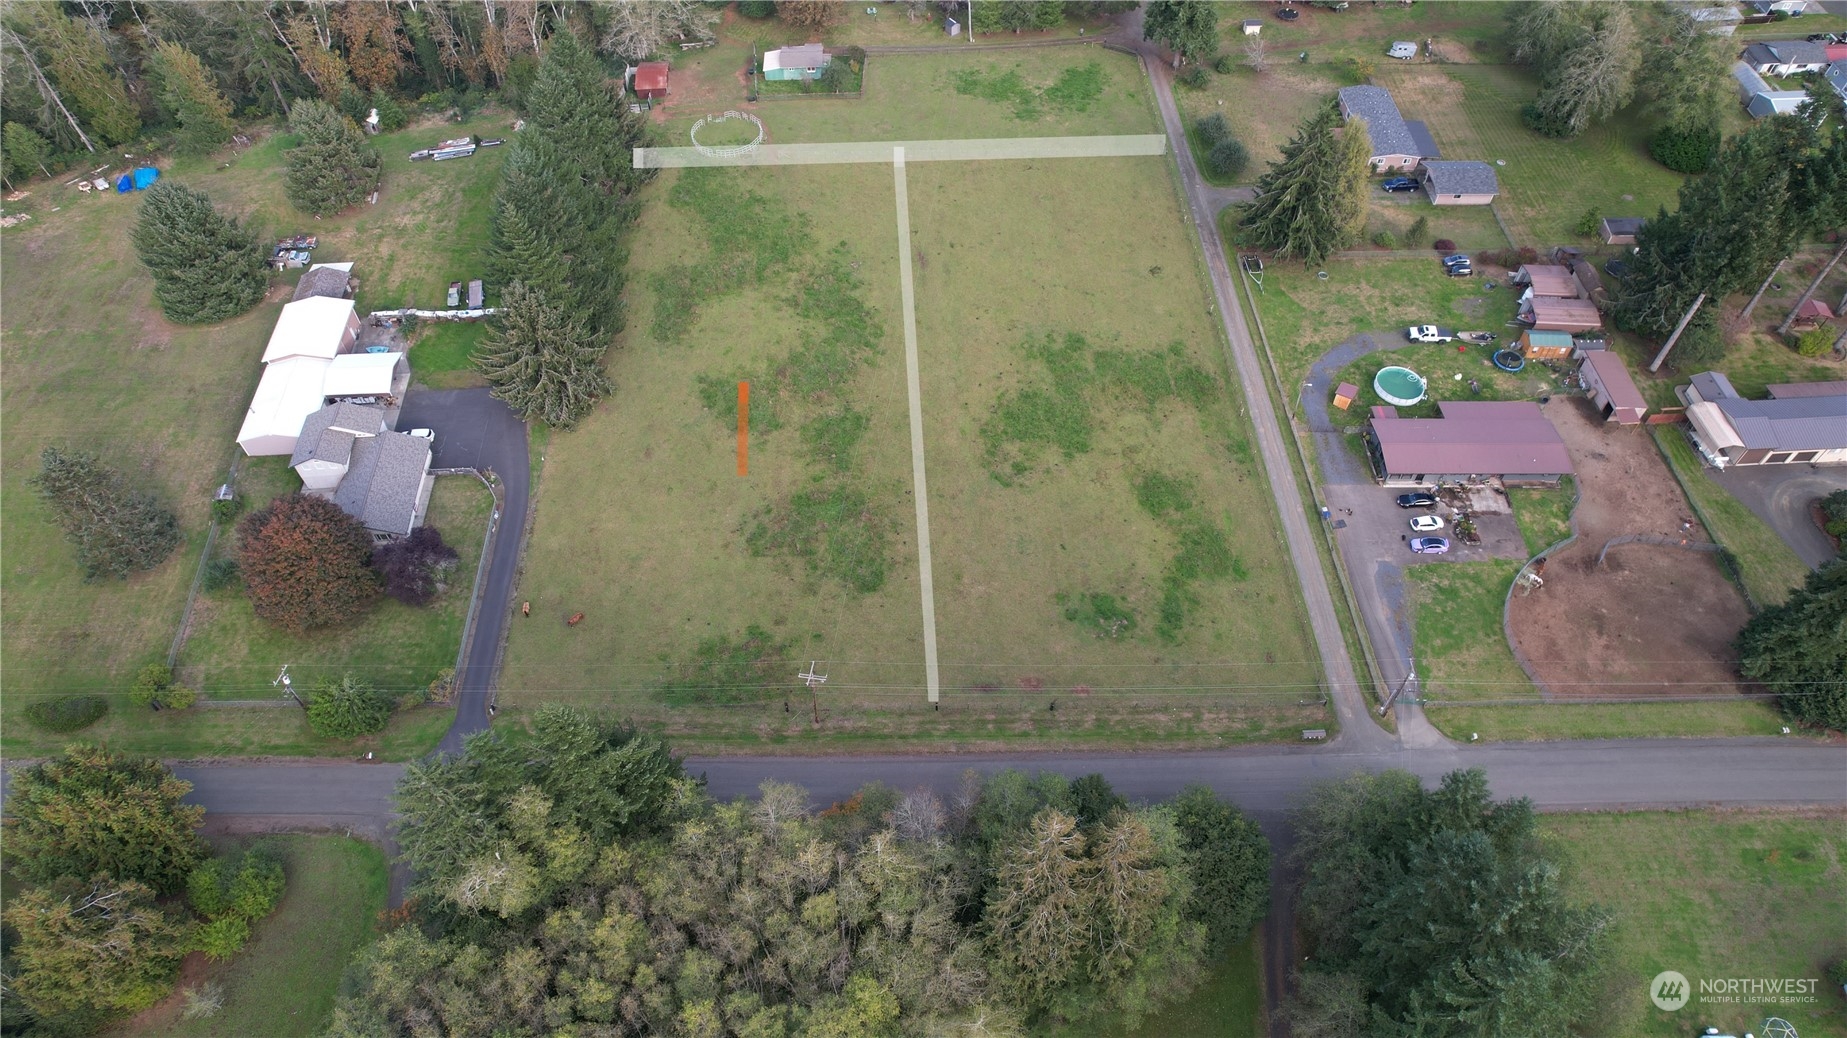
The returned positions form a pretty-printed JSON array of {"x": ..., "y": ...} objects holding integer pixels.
[{"x": 1417, "y": 500}]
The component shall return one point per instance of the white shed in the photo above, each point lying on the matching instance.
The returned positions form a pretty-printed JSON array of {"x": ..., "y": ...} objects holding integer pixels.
[
  {"x": 318, "y": 326},
  {"x": 1252, "y": 26},
  {"x": 289, "y": 392},
  {"x": 361, "y": 374}
]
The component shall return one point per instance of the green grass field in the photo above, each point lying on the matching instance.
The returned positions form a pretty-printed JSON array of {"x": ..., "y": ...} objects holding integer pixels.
[
  {"x": 1544, "y": 515},
  {"x": 99, "y": 369},
  {"x": 1463, "y": 656},
  {"x": 1712, "y": 895},
  {"x": 284, "y": 982},
  {"x": 1770, "y": 567},
  {"x": 1440, "y": 363},
  {"x": 1035, "y": 449}
]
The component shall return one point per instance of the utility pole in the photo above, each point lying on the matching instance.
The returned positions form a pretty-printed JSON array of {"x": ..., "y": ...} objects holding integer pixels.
[
  {"x": 814, "y": 681},
  {"x": 970, "y": 8},
  {"x": 1655, "y": 365},
  {"x": 288, "y": 688},
  {"x": 1410, "y": 676}
]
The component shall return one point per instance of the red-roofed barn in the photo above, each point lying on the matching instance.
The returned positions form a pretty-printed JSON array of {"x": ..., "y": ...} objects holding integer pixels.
[{"x": 651, "y": 80}]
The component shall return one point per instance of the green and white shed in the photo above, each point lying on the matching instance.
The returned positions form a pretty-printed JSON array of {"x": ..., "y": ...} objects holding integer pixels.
[{"x": 806, "y": 61}]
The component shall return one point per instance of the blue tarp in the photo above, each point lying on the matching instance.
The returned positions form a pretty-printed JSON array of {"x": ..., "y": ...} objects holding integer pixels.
[
  {"x": 124, "y": 184},
  {"x": 145, "y": 177}
]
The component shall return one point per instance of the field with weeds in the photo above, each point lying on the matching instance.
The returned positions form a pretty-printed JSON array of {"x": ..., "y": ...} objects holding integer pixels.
[
  {"x": 99, "y": 369},
  {"x": 1710, "y": 895},
  {"x": 284, "y": 982},
  {"x": 1095, "y": 580},
  {"x": 1770, "y": 568},
  {"x": 1463, "y": 658},
  {"x": 1544, "y": 514}
]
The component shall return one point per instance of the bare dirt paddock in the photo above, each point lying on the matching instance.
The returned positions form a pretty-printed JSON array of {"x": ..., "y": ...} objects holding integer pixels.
[{"x": 1652, "y": 620}]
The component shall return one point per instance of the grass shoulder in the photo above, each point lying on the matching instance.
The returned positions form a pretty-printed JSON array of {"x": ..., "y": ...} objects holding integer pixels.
[{"x": 1768, "y": 567}]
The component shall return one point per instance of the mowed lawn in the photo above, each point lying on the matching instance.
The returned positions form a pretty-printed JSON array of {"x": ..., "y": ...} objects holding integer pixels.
[
  {"x": 91, "y": 365},
  {"x": 1463, "y": 659},
  {"x": 1712, "y": 895},
  {"x": 1770, "y": 569},
  {"x": 643, "y": 524},
  {"x": 284, "y": 982}
]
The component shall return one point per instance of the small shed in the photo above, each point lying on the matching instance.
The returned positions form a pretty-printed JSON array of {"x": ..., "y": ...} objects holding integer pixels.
[
  {"x": 651, "y": 80},
  {"x": 1549, "y": 279},
  {"x": 1345, "y": 394},
  {"x": 1545, "y": 345},
  {"x": 795, "y": 63},
  {"x": 1611, "y": 389},
  {"x": 1776, "y": 102},
  {"x": 1252, "y": 26},
  {"x": 1620, "y": 230}
]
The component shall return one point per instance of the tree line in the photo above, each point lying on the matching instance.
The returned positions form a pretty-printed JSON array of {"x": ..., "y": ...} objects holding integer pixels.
[
  {"x": 116, "y": 887},
  {"x": 579, "y": 880}
]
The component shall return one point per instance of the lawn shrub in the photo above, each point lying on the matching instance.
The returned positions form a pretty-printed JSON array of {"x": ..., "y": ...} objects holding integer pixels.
[
  {"x": 1223, "y": 64},
  {"x": 1834, "y": 510},
  {"x": 66, "y": 713},
  {"x": 1814, "y": 342},
  {"x": 220, "y": 573},
  {"x": 223, "y": 937},
  {"x": 346, "y": 709},
  {"x": 1419, "y": 230},
  {"x": 1684, "y": 151},
  {"x": 1443, "y": 245},
  {"x": 1385, "y": 240},
  {"x": 1228, "y": 158},
  {"x": 1195, "y": 78},
  {"x": 1212, "y": 129}
]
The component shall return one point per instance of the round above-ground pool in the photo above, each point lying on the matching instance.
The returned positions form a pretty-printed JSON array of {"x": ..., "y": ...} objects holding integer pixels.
[{"x": 1401, "y": 386}]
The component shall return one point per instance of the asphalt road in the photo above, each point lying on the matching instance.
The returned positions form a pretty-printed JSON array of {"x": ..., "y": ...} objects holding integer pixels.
[
  {"x": 1780, "y": 495},
  {"x": 475, "y": 431}
]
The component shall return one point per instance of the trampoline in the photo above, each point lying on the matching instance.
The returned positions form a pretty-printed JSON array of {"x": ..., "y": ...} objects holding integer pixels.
[
  {"x": 1400, "y": 386},
  {"x": 1509, "y": 360}
]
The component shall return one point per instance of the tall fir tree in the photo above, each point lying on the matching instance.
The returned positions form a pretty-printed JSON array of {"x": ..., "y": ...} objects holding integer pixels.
[
  {"x": 117, "y": 530},
  {"x": 333, "y": 167},
  {"x": 205, "y": 266},
  {"x": 1312, "y": 201},
  {"x": 74, "y": 55},
  {"x": 1189, "y": 28},
  {"x": 1798, "y": 649},
  {"x": 23, "y": 153},
  {"x": 187, "y": 90},
  {"x": 542, "y": 361},
  {"x": 90, "y": 950},
  {"x": 92, "y": 810}
]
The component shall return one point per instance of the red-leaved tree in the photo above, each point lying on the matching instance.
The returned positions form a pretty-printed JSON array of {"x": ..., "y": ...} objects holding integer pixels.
[
  {"x": 413, "y": 567},
  {"x": 305, "y": 563}
]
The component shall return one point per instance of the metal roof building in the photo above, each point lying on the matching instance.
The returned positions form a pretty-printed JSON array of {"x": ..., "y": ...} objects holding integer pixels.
[
  {"x": 1510, "y": 439},
  {"x": 1800, "y": 424}
]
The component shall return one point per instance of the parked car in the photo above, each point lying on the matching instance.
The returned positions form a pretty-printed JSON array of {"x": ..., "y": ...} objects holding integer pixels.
[
  {"x": 1459, "y": 270},
  {"x": 1400, "y": 184},
  {"x": 1417, "y": 500},
  {"x": 1429, "y": 545},
  {"x": 1455, "y": 258},
  {"x": 430, "y": 434},
  {"x": 1429, "y": 333},
  {"x": 1427, "y": 523}
]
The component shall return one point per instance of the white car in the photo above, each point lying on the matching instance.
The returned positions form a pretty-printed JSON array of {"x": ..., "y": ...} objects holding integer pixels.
[
  {"x": 1429, "y": 333},
  {"x": 1427, "y": 523},
  {"x": 424, "y": 434}
]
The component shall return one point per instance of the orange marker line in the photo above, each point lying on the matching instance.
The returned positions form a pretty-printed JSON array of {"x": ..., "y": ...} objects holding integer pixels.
[{"x": 743, "y": 428}]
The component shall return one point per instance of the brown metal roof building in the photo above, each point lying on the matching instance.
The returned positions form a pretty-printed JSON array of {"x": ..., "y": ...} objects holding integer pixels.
[
  {"x": 1511, "y": 439},
  {"x": 651, "y": 79},
  {"x": 1549, "y": 279},
  {"x": 1612, "y": 391},
  {"x": 1549, "y": 313}
]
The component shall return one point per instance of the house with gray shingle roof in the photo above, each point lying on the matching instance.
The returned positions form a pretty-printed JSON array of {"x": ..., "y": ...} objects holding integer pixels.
[
  {"x": 379, "y": 477},
  {"x": 1462, "y": 182},
  {"x": 1750, "y": 84},
  {"x": 1786, "y": 57},
  {"x": 1394, "y": 147},
  {"x": 1837, "y": 78}
]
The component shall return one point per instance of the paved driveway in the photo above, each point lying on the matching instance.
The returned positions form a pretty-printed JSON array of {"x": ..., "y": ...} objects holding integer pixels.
[
  {"x": 1780, "y": 495},
  {"x": 474, "y": 430}
]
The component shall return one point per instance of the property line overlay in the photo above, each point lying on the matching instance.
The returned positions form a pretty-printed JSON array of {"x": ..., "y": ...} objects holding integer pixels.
[
  {"x": 846, "y": 152},
  {"x": 914, "y": 390},
  {"x": 743, "y": 428}
]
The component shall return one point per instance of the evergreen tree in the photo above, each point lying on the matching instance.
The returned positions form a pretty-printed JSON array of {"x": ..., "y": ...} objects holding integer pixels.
[
  {"x": 23, "y": 153},
  {"x": 89, "y": 951},
  {"x": 188, "y": 92},
  {"x": 73, "y": 56},
  {"x": 347, "y": 709},
  {"x": 1230, "y": 866},
  {"x": 94, "y": 811},
  {"x": 1312, "y": 201},
  {"x": 544, "y": 363},
  {"x": 1799, "y": 649},
  {"x": 117, "y": 531},
  {"x": 333, "y": 167},
  {"x": 306, "y": 563},
  {"x": 1189, "y": 28},
  {"x": 206, "y": 268}
]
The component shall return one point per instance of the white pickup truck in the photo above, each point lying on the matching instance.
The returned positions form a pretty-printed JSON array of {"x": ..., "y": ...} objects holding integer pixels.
[{"x": 1429, "y": 333}]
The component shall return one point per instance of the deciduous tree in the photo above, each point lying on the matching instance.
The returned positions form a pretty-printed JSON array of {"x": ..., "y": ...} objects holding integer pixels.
[
  {"x": 542, "y": 361},
  {"x": 92, "y": 810},
  {"x": 637, "y": 31},
  {"x": 206, "y": 267},
  {"x": 1189, "y": 28},
  {"x": 154, "y": 687},
  {"x": 187, "y": 91},
  {"x": 117, "y": 530},
  {"x": 374, "y": 40},
  {"x": 1592, "y": 78},
  {"x": 809, "y": 14},
  {"x": 1798, "y": 649},
  {"x": 413, "y": 567},
  {"x": 306, "y": 563},
  {"x": 334, "y": 167},
  {"x": 72, "y": 57}
]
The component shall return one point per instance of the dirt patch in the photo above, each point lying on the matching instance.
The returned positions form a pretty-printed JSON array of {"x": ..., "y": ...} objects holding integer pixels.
[
  {"x": 1653, "y": 620},
  {"x": 1454, "y": 52}
]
